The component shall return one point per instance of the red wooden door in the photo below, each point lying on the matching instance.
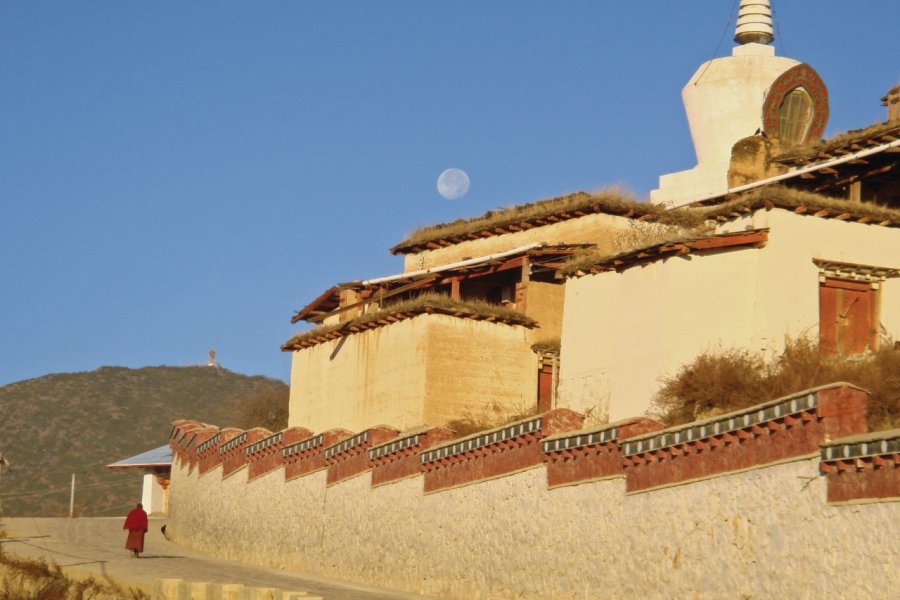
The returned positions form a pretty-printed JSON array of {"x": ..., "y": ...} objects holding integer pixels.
[
  {"x": 847, "y": 321},
  {"x": 545, "y": 388}
]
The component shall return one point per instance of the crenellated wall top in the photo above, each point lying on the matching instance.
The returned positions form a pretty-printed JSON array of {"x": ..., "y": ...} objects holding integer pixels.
[
  {"x": 738, "y": 420},
  {"x": 264, "y": 444},
  {"x": 879, "y": 443}
]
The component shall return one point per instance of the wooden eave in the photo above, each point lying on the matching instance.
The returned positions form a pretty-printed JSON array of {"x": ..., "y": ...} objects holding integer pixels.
[
  {"x": 848, "y": 211},
  {"x": 311, "y": 338},
  {"x": 756, "y": 238},
  {"x": 328, "y": 303},
  {"x": 882, "y": 166},
  {"x": 512, "y": 225},
  {"x": 324, "y": 302},
  {"x": 861, "y": 140}
]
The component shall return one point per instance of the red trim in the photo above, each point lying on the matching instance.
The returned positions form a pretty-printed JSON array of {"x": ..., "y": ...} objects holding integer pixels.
[
  {"x": 800, "y": 75},
  {"x": 641, "y": 256}
]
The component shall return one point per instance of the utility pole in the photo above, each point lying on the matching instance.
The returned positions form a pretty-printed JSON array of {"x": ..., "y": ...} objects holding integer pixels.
[
  {"x": 72, "y": 498},
  {"x": 4, "y": 464}
]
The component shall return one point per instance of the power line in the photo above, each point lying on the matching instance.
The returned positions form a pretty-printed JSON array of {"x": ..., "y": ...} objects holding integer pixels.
[
  {"x": 97, "y": 512},
  {"x": 89, "y": 486}
]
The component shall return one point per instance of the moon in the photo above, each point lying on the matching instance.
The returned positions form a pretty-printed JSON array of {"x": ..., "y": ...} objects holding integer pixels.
[{"x": 453, "y": 184}]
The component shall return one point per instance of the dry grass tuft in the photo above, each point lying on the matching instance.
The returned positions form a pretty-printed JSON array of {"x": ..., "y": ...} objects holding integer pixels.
[
  {"x": 720, "y": 382},
  {"x": 547, "y": 345},
  {"x": 27, "y": 579}
]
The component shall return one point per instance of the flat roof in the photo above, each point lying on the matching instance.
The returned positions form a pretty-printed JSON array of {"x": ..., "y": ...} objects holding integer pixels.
[{"x": 158, "y": 457}]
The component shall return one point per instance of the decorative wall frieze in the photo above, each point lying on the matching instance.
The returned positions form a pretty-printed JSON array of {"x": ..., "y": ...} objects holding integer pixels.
[
  {"x": 490, "y": 438},
  {"x": 308, "y": 454},
  {"x": 357, "y": 440},
  {"x": 304, "y": 446},
  {"x": 393, "y": 447},
  {"x": 350, "y": 457},
  {"x": 264, "y": 444},
  {"x": 827, "y": 422},
  {"x": 233, "y": 443},
  {"x": 209, "y": 444},
  {"x": 503, "y": 450},
  {"x": 588, "y": 455},
  {"x": 399, "y": 458},
  {"x": 829, "y": 269},
  {"x": 862, "y": 467},
  {"x": 774, "y": 431}
]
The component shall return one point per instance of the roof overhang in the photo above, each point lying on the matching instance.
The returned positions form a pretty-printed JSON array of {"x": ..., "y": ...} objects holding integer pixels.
[
  {"x": 382, "y": 288},
  {"x": 157, "y": 458},
  {"x": 424, "y": 305},
  {"x": 525, "y": 217},
  {"x": 755, "y": 238}
]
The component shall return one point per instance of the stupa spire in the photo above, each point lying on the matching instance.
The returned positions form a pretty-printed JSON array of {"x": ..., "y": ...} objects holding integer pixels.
[{"x": 754, "y": 23}]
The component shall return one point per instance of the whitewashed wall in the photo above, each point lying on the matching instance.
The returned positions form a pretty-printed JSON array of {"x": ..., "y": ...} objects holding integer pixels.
[{"x": 763, "y": 533}]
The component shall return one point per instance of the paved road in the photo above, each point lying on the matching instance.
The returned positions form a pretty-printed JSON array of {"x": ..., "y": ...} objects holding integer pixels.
[{"x": 95, "y": 546}]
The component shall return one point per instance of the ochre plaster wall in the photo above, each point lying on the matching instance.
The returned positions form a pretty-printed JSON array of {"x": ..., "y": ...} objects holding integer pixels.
[
  {"x": 594, "y": 228},
  {"x": 478, "y": 368},
  {"x": 766, "y": 532},
  {"x": 362, "y": 380},
  {"x": 623, "y": 331},
  {"x": 545, "y": 303},
  {"x": 427, "y": 369}
]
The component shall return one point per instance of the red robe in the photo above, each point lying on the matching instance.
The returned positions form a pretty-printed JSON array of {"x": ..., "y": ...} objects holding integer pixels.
[{"x": 136, "y": 524}]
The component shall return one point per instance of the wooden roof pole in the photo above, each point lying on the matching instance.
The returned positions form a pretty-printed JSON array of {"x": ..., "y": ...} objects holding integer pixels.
[{"x": 374, "y": 297}]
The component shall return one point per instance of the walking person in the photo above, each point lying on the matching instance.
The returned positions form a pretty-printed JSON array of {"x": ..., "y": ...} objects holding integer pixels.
[{"x": 136, "y": 524}]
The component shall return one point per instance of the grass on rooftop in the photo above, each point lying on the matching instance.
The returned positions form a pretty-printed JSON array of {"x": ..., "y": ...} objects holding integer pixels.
[
  {"x": 440, "y": 302},
  {"x": 614, "y": 199},
  {"x": 807, "y": 150},
  {"x": 689, "y": 223},
  {"x": 791, "y": 198}
]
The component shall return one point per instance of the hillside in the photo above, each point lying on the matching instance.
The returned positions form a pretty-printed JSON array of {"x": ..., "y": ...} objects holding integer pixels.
[{"x": 57, "y": 425}]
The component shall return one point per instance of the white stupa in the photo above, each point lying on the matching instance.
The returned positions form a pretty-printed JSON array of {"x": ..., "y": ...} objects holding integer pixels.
[{"x": 724, "y": 103}]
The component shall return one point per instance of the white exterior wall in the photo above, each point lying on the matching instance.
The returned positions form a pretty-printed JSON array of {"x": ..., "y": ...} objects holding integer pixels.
[
  {"x": 623, "y": 331},
  {"x": 723, "y": 102},
  {"x": 790, "y": 280},
  {"x": 152, "y": 494},
  {"x": 761, "y": 533}
]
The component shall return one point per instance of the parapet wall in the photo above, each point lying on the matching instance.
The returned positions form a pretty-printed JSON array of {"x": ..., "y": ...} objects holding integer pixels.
[{"x": 786, "y": 499}]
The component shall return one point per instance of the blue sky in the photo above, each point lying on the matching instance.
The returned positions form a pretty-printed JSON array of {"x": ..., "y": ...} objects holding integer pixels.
[{"x": 176, "y": 177}]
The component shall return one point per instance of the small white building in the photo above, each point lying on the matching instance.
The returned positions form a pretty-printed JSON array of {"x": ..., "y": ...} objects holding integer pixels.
[{"x": 157, "y": 467}]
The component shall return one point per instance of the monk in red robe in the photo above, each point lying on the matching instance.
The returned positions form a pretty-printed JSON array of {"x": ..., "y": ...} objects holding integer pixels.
[{"x": 136, "y": 524}]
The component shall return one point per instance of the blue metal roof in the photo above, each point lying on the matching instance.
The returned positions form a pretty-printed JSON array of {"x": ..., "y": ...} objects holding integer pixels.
[{"x": 158, "y": 457}]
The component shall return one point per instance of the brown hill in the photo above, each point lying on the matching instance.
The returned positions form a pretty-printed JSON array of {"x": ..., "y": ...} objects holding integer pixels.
[{"x": 57, "y": 425}]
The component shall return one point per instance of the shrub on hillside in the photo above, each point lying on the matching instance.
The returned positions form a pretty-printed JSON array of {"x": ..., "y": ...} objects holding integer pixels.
[
  {"x": 267, "y": 409},
  {"x": 720, "y": 382}
]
